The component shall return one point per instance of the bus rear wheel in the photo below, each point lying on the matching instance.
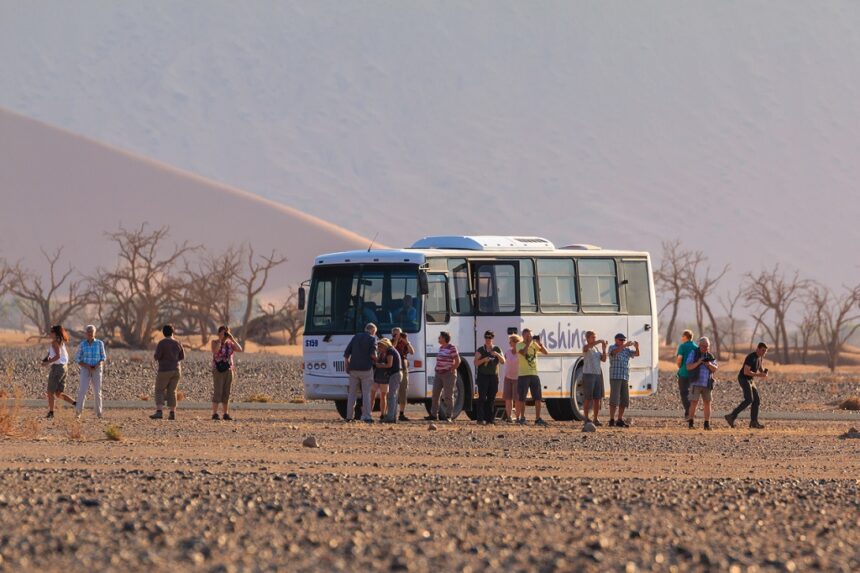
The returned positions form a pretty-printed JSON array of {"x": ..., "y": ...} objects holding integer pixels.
[
  {"x": 341, "y": 409},
  {"x": 568, "y": 409},
  {"x": 459, "y": 398}
]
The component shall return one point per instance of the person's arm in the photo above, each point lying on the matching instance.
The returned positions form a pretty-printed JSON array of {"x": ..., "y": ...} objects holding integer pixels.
[
  {"x": 456, "y": 359},
  {"x": 541, "y": 348},
  {"x": 636, "y": 346},
  {"x": 56, "y": 346},
  {"x": 712, "y": 366},
  {"x": 389, "y": 361},
  {"x": 236, "y": 346},
  {"x": 603, "y": 351},
  {"x": 102, "y": 355},
  {"x": 500, "y": 355},
  {"x": 157, "y": 355},
  {"x": 615, "y": 349},
  {"x": 181, "y": 352},
  {"x": 678, "y": 359},
  {"x": 409, "y": 349}
]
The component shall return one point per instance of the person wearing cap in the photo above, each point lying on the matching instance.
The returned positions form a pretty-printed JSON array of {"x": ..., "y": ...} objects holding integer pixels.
[
  {"x": 487, "y": 360},
  {"x": 90, "y": 357},
  {"x": 619, "y": 378}
]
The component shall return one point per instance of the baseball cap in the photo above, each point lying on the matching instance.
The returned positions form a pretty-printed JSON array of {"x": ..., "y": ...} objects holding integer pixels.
[{"x": 620, "y": 336}]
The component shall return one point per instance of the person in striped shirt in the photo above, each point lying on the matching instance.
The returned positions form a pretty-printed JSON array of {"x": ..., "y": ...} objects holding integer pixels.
[{"x": 447, "y": 362}]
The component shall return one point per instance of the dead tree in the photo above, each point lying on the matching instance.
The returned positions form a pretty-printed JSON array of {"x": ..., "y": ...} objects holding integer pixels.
[
  {"x": 838, "y": 318},
  {"x": 209, "y": 291},
  {"x": 733, "y": 325},
  {"x": 272, "y": 318},
  {"x": 293, "y": 318},
  {"x": 252, "y": 280},
  {"x": 806, "y": 330},
  {"x": 773, "y": 293},
  {"x": 45, "y": 304},
  {"x": 133, "y": 296},
  {"x": 701, "y": 285},
  {"x": 670, "y": 280}
]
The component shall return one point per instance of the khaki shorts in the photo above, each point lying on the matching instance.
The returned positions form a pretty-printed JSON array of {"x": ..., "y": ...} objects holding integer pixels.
[
  {"x": 165, "y": 387},
  {"x": 700, "y": 392},
  {"x": 57, "y": 378},
  {"x": 223, "y": 383}
]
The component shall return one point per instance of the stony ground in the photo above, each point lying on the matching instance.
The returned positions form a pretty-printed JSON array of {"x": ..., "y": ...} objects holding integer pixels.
[
  {"x": 246, "y": 495},
  {"x": 129, "y": 375}
]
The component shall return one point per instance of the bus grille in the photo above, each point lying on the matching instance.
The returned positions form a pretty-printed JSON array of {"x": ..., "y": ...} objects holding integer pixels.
[{"x": 339, "y": 366}]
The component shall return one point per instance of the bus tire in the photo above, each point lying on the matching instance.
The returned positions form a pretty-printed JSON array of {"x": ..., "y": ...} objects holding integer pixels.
[
  {"x": 459, "y": 399},
  {"x": 341, "y": 409},
  {"x": 568, "y": 409}
]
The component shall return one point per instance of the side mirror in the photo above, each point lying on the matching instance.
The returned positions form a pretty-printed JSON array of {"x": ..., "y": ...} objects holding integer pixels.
[
  {"x": 301, "y": 298},
  {"x": 423, "y": 283}
]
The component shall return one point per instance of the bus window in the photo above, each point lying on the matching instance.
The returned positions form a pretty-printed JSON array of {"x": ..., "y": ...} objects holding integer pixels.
[
  {"x": 637, "y": 291},
  {"x": 599, "y": 284},
  {"x": 528, "y": 300},
  {"x": 437, "y": 299},
  {"x": 557, "y": 281},
  {"x": 496, "y": 284},
  {"x": 458, "y": 271}
]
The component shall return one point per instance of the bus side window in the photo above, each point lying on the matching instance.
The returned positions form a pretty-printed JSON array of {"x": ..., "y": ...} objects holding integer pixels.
[
  {"x": 598, "y": 281},
  {"x": 436, "y": 308},
  {"x": 461, "y": 300},
  {"x": 637, "y": 288}
]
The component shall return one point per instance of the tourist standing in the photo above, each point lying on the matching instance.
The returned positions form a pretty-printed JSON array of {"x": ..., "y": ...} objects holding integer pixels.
[
  {"x": 90, "y": 357},
  {"x": 487, "y": 360},
  {"x": 395, "y": 371},
  {"x": 169, "y": 355},
  {"x": 592, "y": 375},
  {"x": 746, "y": 378},
  {"x": 381, "y": 374},
  {"x": 404, "y": 348},
  {"x": 223, "y": 371},
  {"x": 58, "y": 362},
  {"x": 684, "y": 349},
  {"x": 360, "y": 354},
  {"x": 528, "y": 380},
  {"x": 447, "y": 362},
  {"x": 701, "y": 366},
  {"x": 619, "y": 378},
  {"x": 509, "y": 390}
]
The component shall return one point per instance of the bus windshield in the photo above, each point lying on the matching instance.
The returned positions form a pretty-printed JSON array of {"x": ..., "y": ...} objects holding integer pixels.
[{"x": 344, "y": 298}]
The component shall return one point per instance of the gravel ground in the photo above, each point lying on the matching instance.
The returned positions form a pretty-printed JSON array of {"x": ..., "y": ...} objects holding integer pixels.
[
  {"x": 402, "y": 498},
  {"x": 129, "y": 375}
]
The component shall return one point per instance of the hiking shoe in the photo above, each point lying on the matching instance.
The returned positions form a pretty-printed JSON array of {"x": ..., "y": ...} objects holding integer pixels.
[
  {"x": 50, "y": 414},
  {"x": 730, "y": 420},
  {"x": 226, "y": 416},
  {"x": 215, "y": 416},
  {"x": 480, "y": 422},
  {"x": 368, "y": 420},
  {"x": 690, "y": 424},
  {"x": 431, "y": 418},
  {"x": 402, "y": 417},
  {"x": 508, "y": 420},
  {"x": 522, "y": 422},
  {"x": 707, "y": 425},
  {"x": 756, "y": 426},
  {"x": 619, "y": 423},
  {"x": 171, "y": 416},
  {"x": 540, "y": 422},
  {"x": 157, "y": 416},
  {"x": 611, "y": 423},
  {"x": 597, "y": 422}
]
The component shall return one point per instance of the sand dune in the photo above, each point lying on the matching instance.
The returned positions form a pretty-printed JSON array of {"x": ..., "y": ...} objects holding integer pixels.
[{"x": 58, "y": 188}]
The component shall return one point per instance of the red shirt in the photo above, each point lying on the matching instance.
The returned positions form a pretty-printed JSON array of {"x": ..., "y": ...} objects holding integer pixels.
[{"x": 445, "y": 359}]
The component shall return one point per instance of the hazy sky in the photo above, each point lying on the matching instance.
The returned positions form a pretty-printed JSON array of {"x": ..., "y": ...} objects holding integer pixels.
[{"x": 733, "y": 125}]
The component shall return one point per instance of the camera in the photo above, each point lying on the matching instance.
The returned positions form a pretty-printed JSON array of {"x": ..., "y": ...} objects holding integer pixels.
[
  {"x": 765, "y": 370},
  {"x": 536, "y": 338}
]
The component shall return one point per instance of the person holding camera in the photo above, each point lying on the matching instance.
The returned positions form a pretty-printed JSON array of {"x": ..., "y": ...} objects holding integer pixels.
[
  {"x": 592, "y": 375},
  {"x": 58, "y": 362},
  {"x": 746, "y": 378},
  {"x": 223, "y": 349},
  {"x": 487, "y": 360},
  {"x": 701, "y": 366},
  {"x": 404, "y": 347},
  {"x": 528, "y": 379},
  {"x": 619, "y": 378}
]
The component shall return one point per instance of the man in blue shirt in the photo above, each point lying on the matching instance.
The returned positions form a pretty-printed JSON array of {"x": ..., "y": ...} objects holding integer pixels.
[
  {"x": 619, "y": 378},
  {"x": 360, "y": 354},
  {"x": 701, "y": 365},
  {"x": 90, "y": 357}
]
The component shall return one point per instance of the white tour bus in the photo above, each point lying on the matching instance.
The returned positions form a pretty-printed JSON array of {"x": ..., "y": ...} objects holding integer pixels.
[{"x": 467, "y": 285}]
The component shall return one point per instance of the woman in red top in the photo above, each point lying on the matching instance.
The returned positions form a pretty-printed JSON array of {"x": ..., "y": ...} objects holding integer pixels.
[
  {"x": 447, "y": 362},
  {"x": 223, "y": 349}
]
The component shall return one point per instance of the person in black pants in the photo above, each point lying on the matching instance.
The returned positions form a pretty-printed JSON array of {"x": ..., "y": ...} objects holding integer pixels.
[
  {"x": 746, "y": 378},
  {"x": 487, "y": 360}
]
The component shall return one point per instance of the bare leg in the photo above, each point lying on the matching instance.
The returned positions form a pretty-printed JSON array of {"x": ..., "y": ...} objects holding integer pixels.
[
  {"x": 612, "y": 411},
  {"x": 706, "y": 407},
  {"x": 586, "y": 409},
  {"x": 537, "y": 409},
  {"x": 50, "y": 402},
  {"x": 596, "y": 408},
  {"x": 521, "y": 409},
  {"x": 693, "y": 405},
  {"x": 620, "y": 412}
]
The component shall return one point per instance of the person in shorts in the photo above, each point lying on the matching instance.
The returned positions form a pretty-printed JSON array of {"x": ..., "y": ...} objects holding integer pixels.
[
  {"x": 746, "y": 378},
  {"x": 223, "y": 349},
  {"x": 684, "y": 349},
  {"x": 701, "y": 366},
  {"x": 592, "y": 375},
  {"x": 169, "y": 355},
  {"x": 58, "y": 362},
  {"x": 619, "y": 378},
  {"x": 509, "y": 388},
  {"x": 528, "y": 379}
]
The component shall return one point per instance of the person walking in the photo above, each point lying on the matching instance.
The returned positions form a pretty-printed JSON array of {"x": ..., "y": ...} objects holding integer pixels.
[
  {"x": 57, "y": 361},
  {"x": 447, "y": 362},
  {"x": 701, "y": 366},
  {"x": 528, "y": 379},
  {"x": 169, "y": 355},
  {"x": 509, "y": 389},
  {"x": 90, "y": 357},
  {"x": 487, "y": 361},
  {"x": 381, "y": 375},
  {"x": 394, "y": 372},
  {"x": 746, "y": 378},
  {"x": 619, "y": 378},
  {"x": 360, "y": 355},
  {"x": 592, "y": 375},
  {"x": 404, "y": 348},
  {"x": 684, "y": 349},
  {"x": 223, "y": 371}
]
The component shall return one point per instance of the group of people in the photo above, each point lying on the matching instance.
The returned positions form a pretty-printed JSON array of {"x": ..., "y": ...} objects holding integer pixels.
[
  {"x": 169, "y": 354},
  {"x": 696, "y": 369}
]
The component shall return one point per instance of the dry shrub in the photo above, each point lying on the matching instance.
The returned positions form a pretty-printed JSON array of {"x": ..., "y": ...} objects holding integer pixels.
[
  {"x": 180, "y": 396},
  {"x": 852, "y": 403},
  {"x": 113, "y": 433},
  {"x": 10, "y": 411},
  {"x": 72, "y": 428},
  {"x": 143, "y": 397},
  {"x": 262, "y": 398}
]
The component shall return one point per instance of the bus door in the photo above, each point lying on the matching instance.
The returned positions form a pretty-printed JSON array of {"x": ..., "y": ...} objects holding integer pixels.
[
  {"x": 497, "y": 300},
  {"x": 636, "y": 288}
]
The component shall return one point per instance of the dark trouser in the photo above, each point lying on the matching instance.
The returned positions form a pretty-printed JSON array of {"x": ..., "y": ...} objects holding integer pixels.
[
  {"x": 684, "y": 389},
  {"x": 750, "y": 398},
  {"x": 488, "y": 387}
]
